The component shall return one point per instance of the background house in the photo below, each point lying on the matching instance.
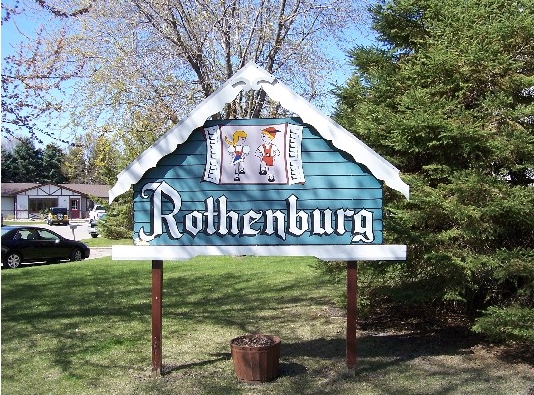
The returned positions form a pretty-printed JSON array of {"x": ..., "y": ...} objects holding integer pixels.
[{"x": 24, "y": 200}]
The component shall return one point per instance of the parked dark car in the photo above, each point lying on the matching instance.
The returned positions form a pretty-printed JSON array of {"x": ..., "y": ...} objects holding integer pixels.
[
  {"x": 57, "y": 215},
  {"x": 34, "y": 244}
]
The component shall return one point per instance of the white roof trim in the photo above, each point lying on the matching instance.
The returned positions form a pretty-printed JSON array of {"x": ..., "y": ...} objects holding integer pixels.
[{"x": 253, "y": 77}]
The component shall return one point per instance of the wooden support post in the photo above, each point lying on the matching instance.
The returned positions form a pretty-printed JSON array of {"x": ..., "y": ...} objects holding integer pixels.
[
  {"x": 352, "y": 294},
  {"x": 157, "y": 295}
]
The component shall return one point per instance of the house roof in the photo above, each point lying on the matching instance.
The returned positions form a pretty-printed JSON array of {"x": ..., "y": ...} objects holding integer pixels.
[
  {"x": 14, "y": 188},
  {"x": 253, "y": 77},
  {"x": 97, "y": 190}
]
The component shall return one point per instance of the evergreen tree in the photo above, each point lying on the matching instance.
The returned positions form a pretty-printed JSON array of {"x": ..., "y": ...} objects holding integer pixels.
[
  {"x": 26, "y": 162},
  {"x": 51, "y": 167},
  {"x": 449, "y": 98},
  {"x": 118, "y": 222},
  {"x": 8, "y": 166}
]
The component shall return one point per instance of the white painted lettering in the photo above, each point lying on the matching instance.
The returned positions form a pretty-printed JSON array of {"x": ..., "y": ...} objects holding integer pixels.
[
  {"x": 224, "y": 216},
  {"x": 193, "y": 223},
  {"x": 340, "y": 220},
  {"x": 160, "y": 189},
  {"x": 298, "y": 221},
  {"x": 217, "y": 219},
  {"x": 248, "y": 219},
  {"x": 210, "y": 216},
  {"x": 280, "y": 218},
  {"x": 363, "y": 227},
  {"x": 322, "y": 222}
]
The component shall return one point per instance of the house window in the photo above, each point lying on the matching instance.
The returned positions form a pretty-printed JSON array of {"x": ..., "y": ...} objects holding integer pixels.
[{"x": 37, "y": 205}]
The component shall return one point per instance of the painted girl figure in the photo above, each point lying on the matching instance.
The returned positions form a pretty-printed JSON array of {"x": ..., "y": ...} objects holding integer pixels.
[
  {"x": 267, "y": 151},
  {"x": 238, "y": 150}
]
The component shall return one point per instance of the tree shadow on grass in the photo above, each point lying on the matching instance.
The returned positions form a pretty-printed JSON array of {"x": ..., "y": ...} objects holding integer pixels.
[
  {"x": 285, "y": 368},
  {"x": 408, "y": 362},
  {"x": 387, "y": 348},
  {"x": 214, "y": 358},
  {"x": 291, "y": 369}
]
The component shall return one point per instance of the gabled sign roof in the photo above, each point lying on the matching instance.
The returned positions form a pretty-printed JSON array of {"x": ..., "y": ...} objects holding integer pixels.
[{"x": 253, "y": 77}]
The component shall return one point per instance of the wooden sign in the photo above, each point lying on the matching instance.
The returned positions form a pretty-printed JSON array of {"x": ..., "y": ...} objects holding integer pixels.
[
  {"x": 220, "y": 194},
  {"x": 299, "y": 186},
  {"x": 293, "y": 186}
]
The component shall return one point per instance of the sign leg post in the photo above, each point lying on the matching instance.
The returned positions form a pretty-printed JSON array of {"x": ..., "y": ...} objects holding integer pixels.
[
  {"x": 157, "y": 294},
  {"x": 352, "y": 294}
]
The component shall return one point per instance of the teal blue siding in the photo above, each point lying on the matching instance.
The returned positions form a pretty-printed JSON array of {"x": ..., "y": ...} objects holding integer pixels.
[{"x": 333, "y": 182}]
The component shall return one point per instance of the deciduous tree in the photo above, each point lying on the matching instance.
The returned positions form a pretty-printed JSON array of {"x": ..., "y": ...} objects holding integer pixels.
[
  {"x": 74, "y": 162},
  {"x": 161, "y": 57}
]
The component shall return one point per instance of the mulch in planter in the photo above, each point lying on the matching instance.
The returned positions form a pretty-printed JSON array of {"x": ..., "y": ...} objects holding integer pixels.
[{"x": 253, "y": 341}]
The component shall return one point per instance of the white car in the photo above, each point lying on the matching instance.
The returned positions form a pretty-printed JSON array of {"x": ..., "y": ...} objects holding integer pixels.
[{"x": 96, "y": 212}]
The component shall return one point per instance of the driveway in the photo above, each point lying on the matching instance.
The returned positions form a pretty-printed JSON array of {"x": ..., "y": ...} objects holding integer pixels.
[{"x": 77, "y": 230}]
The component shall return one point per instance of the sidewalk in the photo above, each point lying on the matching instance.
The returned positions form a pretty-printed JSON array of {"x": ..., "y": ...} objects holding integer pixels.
[{"x": 100, "y": 252}]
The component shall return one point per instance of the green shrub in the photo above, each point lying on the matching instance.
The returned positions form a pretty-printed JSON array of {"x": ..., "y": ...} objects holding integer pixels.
[
  {"x": 118, "y": 222},
  {"x": 512, "y": 323}
]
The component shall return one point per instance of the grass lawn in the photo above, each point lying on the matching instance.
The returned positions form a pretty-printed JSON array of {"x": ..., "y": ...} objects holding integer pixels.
[
  {"x": 85, "y": 328},
  {"x": 104, "y": 242}
]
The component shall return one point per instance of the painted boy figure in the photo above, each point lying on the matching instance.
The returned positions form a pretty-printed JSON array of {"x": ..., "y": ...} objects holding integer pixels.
[
  {"x": 267, "y": 151},
  {"x": 238, "y": 150}
]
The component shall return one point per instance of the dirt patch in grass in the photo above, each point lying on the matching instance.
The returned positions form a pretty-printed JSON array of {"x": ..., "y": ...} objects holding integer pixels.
[{"x": 439, "y": 331}]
